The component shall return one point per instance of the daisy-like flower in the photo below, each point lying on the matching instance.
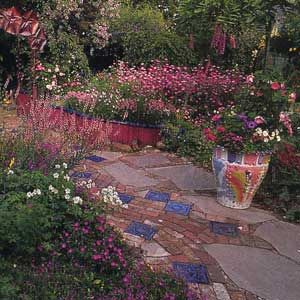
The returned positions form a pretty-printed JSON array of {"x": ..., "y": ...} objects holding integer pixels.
[
  {"x": 67, "y": 197},
  {"x": 10, "y": 172},
  {"x": 65, "y": 165},
  {"x": 77, "y": 200},
  {"x": 29, "y": 195},
  {"x": 265, "y": 133},
  {"x": 67, "y": 177},
  {"x": 57, "y": 166},
  {"x": 56, "y": 175},
  {"x": 67, "y": 191}
]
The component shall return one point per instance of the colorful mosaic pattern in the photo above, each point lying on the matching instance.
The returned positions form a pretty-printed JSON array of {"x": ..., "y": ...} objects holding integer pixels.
[
  {"x": 238, "y": 176},
  {"x": 191, "y": 273}
]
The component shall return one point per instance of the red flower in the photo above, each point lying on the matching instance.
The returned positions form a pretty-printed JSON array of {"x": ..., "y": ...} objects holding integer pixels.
[
  {"x": 275, "y": 86},
  {"x": 209, "y": 135},
  {"x": 216, "y": 118},
  {"x": 221, "y": 129}
]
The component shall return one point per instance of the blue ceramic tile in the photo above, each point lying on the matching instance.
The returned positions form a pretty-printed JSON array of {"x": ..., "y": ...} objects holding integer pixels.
[
  {"x": 84, "y": 175},
  {"x": 231, "y": 157},
  {"x": 95, "y": 158},
  {"x": 224, "y": 228},
  {"x": 178, "y": 208},
  {"x": 191, "y": 273},
  {"x": 158, "y": 196},
  {"x": 140, "y": 229},
  {"x": 125, "y": 198}
]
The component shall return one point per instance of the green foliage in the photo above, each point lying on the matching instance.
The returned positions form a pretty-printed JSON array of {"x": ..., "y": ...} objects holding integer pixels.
[
  {"x": 188, "y": 141},
  {"x": 29, "y": 220},
  {"x": 145, "y": 36}
]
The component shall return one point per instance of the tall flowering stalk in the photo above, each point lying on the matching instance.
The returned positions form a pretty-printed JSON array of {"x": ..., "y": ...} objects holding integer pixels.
[{"x": 65, "y": 136}]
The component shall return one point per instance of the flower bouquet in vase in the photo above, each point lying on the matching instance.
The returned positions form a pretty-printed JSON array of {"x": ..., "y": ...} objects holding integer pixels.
[{"x": 245, "y": 135}]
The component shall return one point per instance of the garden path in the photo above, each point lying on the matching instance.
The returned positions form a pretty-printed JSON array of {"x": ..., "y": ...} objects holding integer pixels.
[{"x": 172, "y": 216}]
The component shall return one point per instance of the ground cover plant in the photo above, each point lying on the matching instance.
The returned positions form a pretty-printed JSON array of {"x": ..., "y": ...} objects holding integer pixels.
[{"x": 56, "y": 243}]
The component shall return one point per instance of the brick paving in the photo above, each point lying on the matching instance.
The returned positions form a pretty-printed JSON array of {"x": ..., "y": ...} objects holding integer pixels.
[{"x": 181, "y": 237}]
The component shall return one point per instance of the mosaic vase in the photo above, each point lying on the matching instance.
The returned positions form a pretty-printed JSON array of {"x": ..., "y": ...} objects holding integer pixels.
[{"x": 238, "y": 176}]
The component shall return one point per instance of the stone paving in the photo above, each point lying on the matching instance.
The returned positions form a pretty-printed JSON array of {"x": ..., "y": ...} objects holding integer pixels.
[{"x": 172, "y": 216}]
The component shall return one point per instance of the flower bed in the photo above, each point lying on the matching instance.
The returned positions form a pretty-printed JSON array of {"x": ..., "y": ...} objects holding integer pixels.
[{"x": 120, "y": 132}]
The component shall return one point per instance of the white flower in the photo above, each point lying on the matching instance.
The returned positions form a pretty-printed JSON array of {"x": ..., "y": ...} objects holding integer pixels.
[
  {"x": 37, "y": 192},
  {"x": 56, "y": 69},
  {"x": 55, "y": 175},
  {"x": 55, "y": 191},
  {"x": 49, "y": 87},
  {"x": 89, "y": 185},
  {"x": 67, "y": 191},
  {"x": 29, "y": 195},
  {"x": 51, "y": 187},
  {"x": 276, "y": 131},
  {"x": 57, "y": 166},
  {"x": 77, "y": 200},
  {"x": 265, "y": 133},
  {"x": 10, "y": 172},
  {"x": 67, "y": 196},
  {"x": 266, "y": 140},
  {"x": 125, "y": 205},
  {"x": 67, "y": 177},
  {"x": 278, "y": 138},
  {"x": 65, "y": 165}
]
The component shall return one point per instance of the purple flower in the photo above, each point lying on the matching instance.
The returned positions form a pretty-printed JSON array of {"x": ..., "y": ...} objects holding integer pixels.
[
  {"x": 243, "y": 117},
  {"x": 250, "y": 125}
]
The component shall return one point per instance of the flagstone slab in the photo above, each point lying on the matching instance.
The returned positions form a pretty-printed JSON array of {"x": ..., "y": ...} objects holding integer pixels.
[
  {"x": 109, "y": 155},
  {"x": 130, "y": 176},
  {"x": 148, "y": 160},
  {"x": 283, "y": 236},
  {"x": 186, "y": 177},
  {"x": 153, "y": 249},
  {"x": 262, "y": 272},
  {"x": 212, "y": 208}
]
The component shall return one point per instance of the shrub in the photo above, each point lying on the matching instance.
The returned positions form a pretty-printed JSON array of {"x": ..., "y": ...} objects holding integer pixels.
[
  {"x": 187, "y": 140},
  {"x": 145, "y": 35}
]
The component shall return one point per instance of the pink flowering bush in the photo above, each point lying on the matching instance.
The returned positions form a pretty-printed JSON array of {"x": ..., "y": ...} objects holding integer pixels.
[
  {"x": 157, "y": 93},
  {"x": 49, "y": 136}
]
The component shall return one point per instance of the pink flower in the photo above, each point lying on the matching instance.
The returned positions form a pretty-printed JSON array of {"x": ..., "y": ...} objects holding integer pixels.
[
  {"x": 292, "y": 97},
  {"x": 275, "y": 86},
  {"x": 221, "y": 129},
  {"x": 96, "y": 257},
  {"x": 39, "y": 67},
  {"x": 259, "y": 120},
  {"x": 250, "y": 79},
  {"x": 216, "y": 118}
]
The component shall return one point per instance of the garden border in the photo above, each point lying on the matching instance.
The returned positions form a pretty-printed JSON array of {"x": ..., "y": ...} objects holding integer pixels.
[{"x": 121, "y": 132}]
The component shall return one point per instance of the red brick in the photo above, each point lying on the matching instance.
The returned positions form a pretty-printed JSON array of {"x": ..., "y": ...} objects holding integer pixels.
[
  {"x": 191, "y": 236},
  {"x": 171, "y": 247},
  {"x": 237, "y": 296},
  {"x": 178, "y": 258},
  {"x": 206, "y": 239}
]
